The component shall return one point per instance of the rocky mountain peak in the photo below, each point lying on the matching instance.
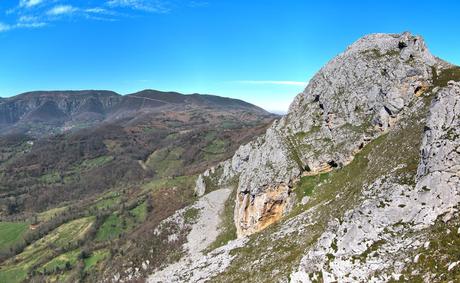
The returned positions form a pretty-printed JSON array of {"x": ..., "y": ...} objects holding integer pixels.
[
  {"x": 361, "y": 177},
  {"x": 405, "y": 43},
  {"x": 353, "y": 99}
]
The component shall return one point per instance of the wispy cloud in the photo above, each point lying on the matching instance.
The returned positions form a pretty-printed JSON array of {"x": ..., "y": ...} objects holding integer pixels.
[
  {"x": 4, "y": 27},
  {"x": 29, "y": 22},
  {"x": 156, "y": 6},
  {"x": 61, "y": 10},
  {"x": 40, "y": 13},
  {"x": 23, "y": 22},
  {"x": 99, "y": 10},
  {"x": 274, "y": 83},
  {"x": 29, "y": 3}
]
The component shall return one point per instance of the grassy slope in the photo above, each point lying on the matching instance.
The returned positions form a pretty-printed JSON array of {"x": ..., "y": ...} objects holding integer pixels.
[
  {"x": 16, "y": 270},
  {"x": 434, "y": 261},
  {"x": 95, "y": 258},
  {"x": 11, "y": 233},
  {"x": 444, "y": 238}
]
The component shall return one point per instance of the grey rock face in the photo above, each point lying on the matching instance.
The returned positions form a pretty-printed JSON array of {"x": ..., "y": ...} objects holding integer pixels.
[
  {"x": 439, "y": 169},
  {"x": 353, "y": 99},
  {"x": 371, "y": 220},
  {"x": 378, "y": 228},
  {"x": 440, "y": 143},
  {"x": 200, "y": 186},
  {"x": 32, "y": 105}
]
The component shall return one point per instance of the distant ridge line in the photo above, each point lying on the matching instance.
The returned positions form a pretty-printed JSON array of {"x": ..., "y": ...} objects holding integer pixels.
[{"x": 134, "y": 96}]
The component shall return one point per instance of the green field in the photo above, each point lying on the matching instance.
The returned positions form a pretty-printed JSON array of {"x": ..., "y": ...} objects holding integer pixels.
[
  {"x": 11, "y": 233},
  {"x": 110, "y": 229},
  {"x": 140, "y": 212},
  {"x": 49, "y": 214},
  {"x": 167, "y": 161},
  {"x": 117, "y": 223},
  {"x": 16, "y": 269},
  {"x": 107, "y": 201},
  {"x": 183, "y": 182},
  {"x": 60, "y": 262},
  {"x": 94, "y": 259}
]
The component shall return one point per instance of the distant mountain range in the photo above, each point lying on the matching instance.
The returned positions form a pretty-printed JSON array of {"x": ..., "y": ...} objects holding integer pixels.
[{"x": 43, "y": 112}]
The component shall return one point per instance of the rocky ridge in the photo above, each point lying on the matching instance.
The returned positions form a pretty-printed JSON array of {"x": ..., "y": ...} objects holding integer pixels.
[
  {"x": 410, "y": 207},
  {"x": 363, "y": 166},
  {"x": 355, "y": 98}
]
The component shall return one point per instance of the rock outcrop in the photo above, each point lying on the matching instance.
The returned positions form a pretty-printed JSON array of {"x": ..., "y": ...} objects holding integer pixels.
[
  {"x": 363, "y": 174},
  {"x": 373, "y": 231},
  {"x": 352, "y": 100}
]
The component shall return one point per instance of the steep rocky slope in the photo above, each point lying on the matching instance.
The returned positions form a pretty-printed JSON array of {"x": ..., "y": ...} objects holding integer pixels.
[
  {"x": 354, "y": 184},
  {"x": 41, "y": 111}
]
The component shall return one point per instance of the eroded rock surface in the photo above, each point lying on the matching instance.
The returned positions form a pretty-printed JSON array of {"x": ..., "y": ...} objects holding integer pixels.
[
  {"x": 372, "y": 238},
  {"x": 384, "y": 122},
  {"x": 353, "y": 99}
]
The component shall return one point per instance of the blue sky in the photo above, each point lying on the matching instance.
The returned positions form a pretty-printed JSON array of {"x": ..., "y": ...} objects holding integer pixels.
[{"x": 259, "y": 51}]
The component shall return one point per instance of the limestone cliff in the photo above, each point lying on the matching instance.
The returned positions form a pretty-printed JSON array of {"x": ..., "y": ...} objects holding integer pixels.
[
  {"x": 362, "y": 177},
  {"x": 355, "y": 98}
]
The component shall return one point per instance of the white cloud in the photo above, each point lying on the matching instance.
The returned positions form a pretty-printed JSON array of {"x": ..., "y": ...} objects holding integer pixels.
[
  {"x": 31, "y": 25},
  {"x": 30, "y": 22},
  {"x": 29, "y": 3},
  {"x": 39, "y": 13},
  {"x": 97, "y": 10},
  {"x": 156, "y": 6},
  {"x": 27, "y": 19},
  {"x": 4, "y": 27},
  {"x": 61, "y": 10},
  {"x": 274, "y": 83},
  {"x": 23, "y": 24}
]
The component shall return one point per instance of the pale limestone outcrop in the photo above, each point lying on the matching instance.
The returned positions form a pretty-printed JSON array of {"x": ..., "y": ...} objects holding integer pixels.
[
  {"x": 200, "y": 186},
  {"x": 380, "y": 84},
  {"x": 373, "y": 229},
  {"x": 352, "y": 100}
]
